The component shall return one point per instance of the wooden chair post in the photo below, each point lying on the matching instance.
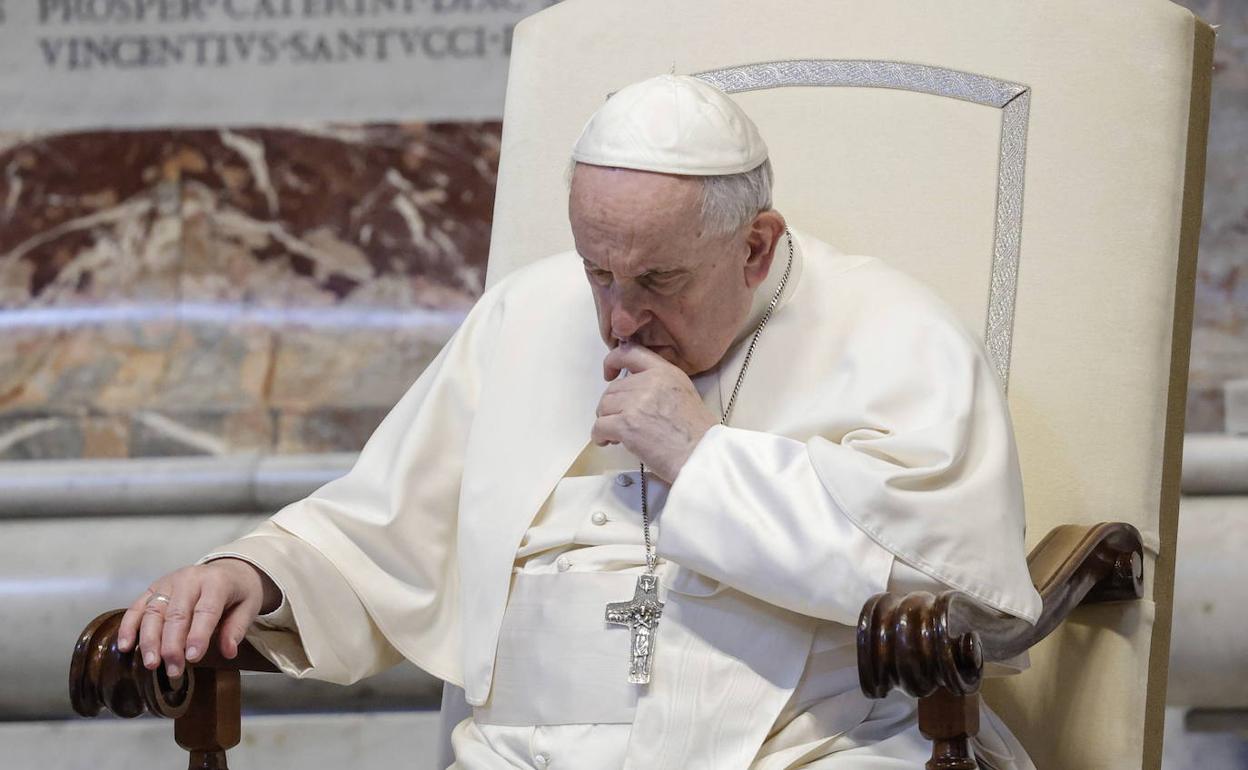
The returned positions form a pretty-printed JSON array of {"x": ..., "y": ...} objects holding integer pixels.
[
  {"x": 213, "y": 723},
  {"x": 949, "y": 721}
]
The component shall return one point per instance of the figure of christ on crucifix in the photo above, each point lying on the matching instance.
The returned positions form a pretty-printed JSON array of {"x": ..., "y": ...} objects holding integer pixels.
[{"x": 641, "y": 614}]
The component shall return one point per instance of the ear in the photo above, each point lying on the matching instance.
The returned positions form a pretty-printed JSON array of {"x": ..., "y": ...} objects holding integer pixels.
[{"x": 761, "y": 240}]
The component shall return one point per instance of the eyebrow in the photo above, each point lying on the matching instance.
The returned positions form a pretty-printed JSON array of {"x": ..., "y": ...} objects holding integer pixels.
[{"x": 655, "y": 273}]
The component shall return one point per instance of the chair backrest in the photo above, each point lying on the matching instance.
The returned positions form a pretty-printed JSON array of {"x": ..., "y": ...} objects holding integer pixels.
[{"x": 1040, "y": 165}]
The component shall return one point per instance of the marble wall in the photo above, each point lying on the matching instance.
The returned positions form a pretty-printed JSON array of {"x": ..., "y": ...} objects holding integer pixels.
[
  {"x": 219, "y": 291},
  {"x": 276, "y": 289},
  {"x": 1220, "y": 337}
]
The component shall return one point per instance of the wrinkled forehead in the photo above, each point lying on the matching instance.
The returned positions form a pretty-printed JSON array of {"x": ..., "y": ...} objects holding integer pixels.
[
  {"x": 620, "y": 212},
  {"x": 645, "y": 251}
]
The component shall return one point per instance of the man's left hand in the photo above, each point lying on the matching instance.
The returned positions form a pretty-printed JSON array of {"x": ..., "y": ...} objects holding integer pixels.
[{"x": 654, "y": 411}]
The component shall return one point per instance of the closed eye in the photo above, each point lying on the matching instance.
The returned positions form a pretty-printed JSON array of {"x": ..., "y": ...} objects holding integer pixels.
[
  {"x": 663, "y": 281},
  {"x": 598, "y": 275}
]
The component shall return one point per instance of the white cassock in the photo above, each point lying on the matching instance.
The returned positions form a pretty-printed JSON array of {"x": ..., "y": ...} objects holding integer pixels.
[{"x": 480, "y": 535}]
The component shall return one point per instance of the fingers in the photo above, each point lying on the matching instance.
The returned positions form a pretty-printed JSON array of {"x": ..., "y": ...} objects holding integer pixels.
[
  {"x": 634, "y": 358},
  {"x": 643, "y": 381},
  {"x": 611, "y": 367},
  {"x": 608, "y": 430},
  {"x": 611, "y": 403},
  {"x": 177, "y": 623},
  {"x": 179, "y": 631},
  {"x": 204, "y": 618},
  {"x": 235, "y": 624},
  {"x": 151, "y": 627},
  {"x": 129, "y": 628}
]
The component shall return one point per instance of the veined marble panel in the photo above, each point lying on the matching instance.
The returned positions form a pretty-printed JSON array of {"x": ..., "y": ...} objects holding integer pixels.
[
  {"x": 213, "y": 291},
  {"x": 1220, "y": 338},
  {"x": 277, "y": 288}
]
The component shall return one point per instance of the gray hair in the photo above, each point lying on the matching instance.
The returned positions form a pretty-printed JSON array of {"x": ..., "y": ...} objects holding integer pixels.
[{"x": 730, "y": 201}]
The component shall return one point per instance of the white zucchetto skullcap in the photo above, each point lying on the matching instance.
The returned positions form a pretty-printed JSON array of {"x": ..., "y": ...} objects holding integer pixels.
[{"x": 672, "y": 124}]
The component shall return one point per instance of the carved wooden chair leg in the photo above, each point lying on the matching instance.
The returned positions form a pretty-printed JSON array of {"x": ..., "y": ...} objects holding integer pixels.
[{"x": 950, "y": 721}]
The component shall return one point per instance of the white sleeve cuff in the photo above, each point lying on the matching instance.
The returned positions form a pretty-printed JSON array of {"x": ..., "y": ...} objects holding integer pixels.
[{"x": 280, "y": 619}]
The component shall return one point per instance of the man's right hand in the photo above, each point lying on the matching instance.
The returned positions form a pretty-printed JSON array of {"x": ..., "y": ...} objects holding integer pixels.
[{"x": 226, "y": 592}]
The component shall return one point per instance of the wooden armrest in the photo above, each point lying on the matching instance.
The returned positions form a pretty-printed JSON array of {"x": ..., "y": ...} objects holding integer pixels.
[
  {"x": 205, "y": 702},
  {"x": 935, "y": 647}
]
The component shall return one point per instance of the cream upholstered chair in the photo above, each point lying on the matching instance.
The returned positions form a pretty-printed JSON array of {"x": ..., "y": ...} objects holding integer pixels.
[{"x": 1040, "y": 165}]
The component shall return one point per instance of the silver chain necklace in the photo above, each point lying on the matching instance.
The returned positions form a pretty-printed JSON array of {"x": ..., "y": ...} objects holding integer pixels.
[{"x": 642, "y": 613}]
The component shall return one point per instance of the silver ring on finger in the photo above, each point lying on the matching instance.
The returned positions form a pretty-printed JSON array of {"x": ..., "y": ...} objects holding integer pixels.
[{"x": 158, "y": 597}]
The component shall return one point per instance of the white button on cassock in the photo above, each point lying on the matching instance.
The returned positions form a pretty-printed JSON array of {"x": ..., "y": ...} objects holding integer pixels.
[
  {"x": 599, "y": 518},
  {"x": 562, "y": 563},
  {"x": 542, "y": 758},
  {"x": 624, "y": 480}
]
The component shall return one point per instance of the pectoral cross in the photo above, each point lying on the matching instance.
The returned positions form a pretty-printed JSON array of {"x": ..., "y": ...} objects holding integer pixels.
[{"x": 641, "y": 615}]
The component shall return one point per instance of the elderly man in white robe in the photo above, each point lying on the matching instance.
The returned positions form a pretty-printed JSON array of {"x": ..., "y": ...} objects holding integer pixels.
[{"x": 635, "y": 505}]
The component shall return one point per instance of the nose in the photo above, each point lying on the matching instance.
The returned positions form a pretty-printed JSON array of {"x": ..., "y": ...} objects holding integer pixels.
[{"x": 627, "y": 319}]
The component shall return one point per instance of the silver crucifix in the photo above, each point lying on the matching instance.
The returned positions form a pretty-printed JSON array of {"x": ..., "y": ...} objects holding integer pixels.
[{"x": 641, "y": 615}]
